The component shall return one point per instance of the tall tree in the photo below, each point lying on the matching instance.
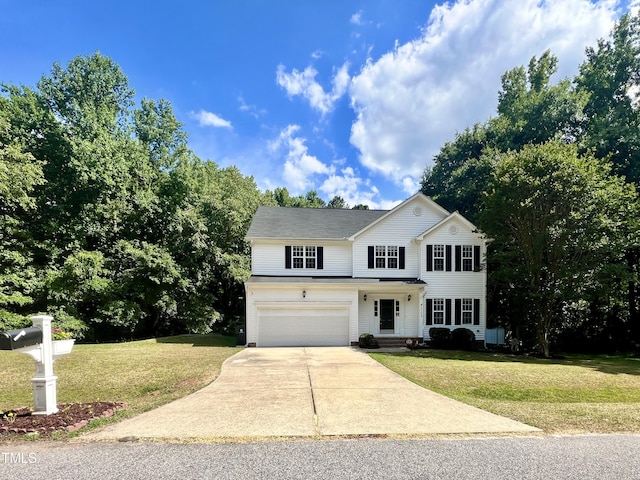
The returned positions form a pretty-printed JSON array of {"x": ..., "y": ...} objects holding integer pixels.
[
  {"x": 531, "y": 109},
  {"x": 611, "y": 78},
  {"x": 20, "y": 173},
  {"x": 555, "y": 217}
]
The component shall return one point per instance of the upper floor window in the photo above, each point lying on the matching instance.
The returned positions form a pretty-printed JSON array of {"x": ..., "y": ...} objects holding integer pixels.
[
  {"x": 438, "y": 258},
  {"x": 467, "y": 258},
  {"x": 388, "y": 257},
  {"x": 303, "y": 257}
]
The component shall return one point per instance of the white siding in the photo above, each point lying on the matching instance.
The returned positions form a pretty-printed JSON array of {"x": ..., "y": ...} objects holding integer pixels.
[
  {"x": 454, "y": 285},
  {"x": 399, "y": 229},
  {"x": 268, "y": 259}
]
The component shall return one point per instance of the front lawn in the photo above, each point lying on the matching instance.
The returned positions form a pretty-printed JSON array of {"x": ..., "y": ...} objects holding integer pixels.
[
  {"x": 579, "y": 394},
  {"x": 144, "y": 374}
]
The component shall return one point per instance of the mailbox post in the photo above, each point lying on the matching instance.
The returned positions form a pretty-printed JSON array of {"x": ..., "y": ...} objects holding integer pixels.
[{"x": 36, "y": 342}]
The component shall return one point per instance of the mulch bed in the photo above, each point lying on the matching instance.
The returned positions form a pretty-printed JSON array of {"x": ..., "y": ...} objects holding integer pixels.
[{"x": 71, "y": 417}]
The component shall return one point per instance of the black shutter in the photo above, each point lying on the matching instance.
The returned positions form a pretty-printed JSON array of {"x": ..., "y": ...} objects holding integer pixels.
[
  {"x": 476, "y": 258},
  {"x": 401, "y": 258},
  {"x": 429, "y": 258},
  {"x": 458, "y": 258},
  {"x": 458, "y": 316},
  {"x": 287, "y": 256},
  {"x": 476, "y": 311},
  {"x": 320, "y": 258},
  {"x": 429, "y": 311},
  {"x": 447, "y": 258},
  {"x": 447, "y": 311},
  {"x": 371, "y": 257}
]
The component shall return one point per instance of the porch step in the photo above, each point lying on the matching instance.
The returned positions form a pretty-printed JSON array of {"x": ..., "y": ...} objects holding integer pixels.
[{"x": 391, "y": 342}]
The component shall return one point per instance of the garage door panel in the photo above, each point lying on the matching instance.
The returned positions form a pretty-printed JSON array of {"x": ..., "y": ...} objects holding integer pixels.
[{"x": 303, "y": 327}]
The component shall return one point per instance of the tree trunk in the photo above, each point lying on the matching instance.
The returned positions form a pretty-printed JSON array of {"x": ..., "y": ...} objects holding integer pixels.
[
  {"x": 633, "y": 265},
  {"x": 543, "y": 329}
]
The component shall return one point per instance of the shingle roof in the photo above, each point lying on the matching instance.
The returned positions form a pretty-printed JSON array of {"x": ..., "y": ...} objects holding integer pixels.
[{"x": 310, "y": 223}]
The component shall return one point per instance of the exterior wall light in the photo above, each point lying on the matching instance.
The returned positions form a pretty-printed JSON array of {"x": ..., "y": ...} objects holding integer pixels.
[
  {"x": 409, "y": 298},
  {"x": 365, "y": 297},
  {"x": 304, "y": 294}
]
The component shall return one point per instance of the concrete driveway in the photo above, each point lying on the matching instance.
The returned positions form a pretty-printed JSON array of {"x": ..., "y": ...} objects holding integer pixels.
[{"x": 284, "y": 392}]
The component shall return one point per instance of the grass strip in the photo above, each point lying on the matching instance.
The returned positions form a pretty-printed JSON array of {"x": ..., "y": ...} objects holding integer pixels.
[{"x": 577, "y": 394}]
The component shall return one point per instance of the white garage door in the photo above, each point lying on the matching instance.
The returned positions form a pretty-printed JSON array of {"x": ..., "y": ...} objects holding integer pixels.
[{"x": 303, "y": 327}]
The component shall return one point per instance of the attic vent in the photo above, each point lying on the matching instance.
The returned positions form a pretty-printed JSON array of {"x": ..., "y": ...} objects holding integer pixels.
[
  {"x": 453, "y": 229},
  {"x": 417, "y": 211}
]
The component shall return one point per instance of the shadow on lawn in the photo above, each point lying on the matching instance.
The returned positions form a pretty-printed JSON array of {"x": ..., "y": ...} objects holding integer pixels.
[
  {"x": 610, "y": 364},
  {"x": 210, "y": 340}
]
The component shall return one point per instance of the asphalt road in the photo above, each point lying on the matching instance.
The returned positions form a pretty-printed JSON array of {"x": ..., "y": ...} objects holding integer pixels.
[{"x": 611, "y": 457}]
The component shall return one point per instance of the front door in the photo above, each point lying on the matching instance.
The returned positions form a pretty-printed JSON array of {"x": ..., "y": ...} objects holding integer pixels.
[{"x": 387, "y": 316}]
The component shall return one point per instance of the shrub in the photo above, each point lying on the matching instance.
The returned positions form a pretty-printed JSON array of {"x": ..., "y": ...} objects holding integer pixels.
[
  {"x": 12, "y": 321},
  {"x": 463, "y": 339},
  {"x": 440, "y": 337},
  {"x": 366, "y": 340}
]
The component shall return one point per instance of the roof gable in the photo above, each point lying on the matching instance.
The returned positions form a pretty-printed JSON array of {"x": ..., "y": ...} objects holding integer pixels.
[
  {"x": 418, "y": 196},
  {"x": 455, "y": 216}
]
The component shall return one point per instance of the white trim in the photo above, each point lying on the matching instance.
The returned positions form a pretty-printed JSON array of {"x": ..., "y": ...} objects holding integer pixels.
[
  {"x": 455, "y": 215},
  {"x": 419, "y": 195}
]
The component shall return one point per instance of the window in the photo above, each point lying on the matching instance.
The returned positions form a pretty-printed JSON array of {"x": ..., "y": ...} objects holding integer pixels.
[
  {"x": 310, "y": 257},
  {"x": 467, "y": 258},
  {"x": 298, "y": 257},
  {"x": 389, "y": 257},
  {"x": 467, "y": 311},
  {"x": 438, "y": 311},
  {"x": 303, "y": 257},
  {"x": 392, "y": 257},
  {"x": 381, "y": 254},
  {"x": 438, "y": 258}
]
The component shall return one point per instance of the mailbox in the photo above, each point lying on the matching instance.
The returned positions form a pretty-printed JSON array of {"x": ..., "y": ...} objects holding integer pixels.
[{"x": 25, "y": 337}]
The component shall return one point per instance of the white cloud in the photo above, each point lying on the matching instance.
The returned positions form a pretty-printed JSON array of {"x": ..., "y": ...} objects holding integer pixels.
[
  {"x": 299, "y": 167},
  {"x": 210, "y": 119},
  {"x": 354, "y": 190},
  {"x": 252, "y": 110},
  {"x": 356, "y": 18},
  {"x": 414, "y": 98},
  {"x": 304, "y": 83}
]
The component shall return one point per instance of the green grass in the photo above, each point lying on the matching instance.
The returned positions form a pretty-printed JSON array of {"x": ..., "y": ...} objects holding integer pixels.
[
  {"x": 579, "y": 394},
  {"x": 144, "y": 374}
]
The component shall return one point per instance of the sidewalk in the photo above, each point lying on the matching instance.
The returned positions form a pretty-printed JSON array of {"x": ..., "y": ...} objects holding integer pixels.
[{"x": 307, "y": 392}]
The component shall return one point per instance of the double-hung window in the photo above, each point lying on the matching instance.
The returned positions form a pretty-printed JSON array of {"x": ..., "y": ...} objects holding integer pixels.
[
  {"x": 438, "y": 258},
  {"x": 467, "y": 258},
  {"x": 297, "y": 256},
  {"x": 438, "y": 311},
  {"x": 386, "y": 257},
  {"x": 381, "y": 256},
  {"x": 467, "y": 311},
  {"x": 303, "y": 257}
]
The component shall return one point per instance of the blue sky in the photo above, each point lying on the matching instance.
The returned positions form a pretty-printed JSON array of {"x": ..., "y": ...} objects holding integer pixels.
[{"x": 347, "y": 97}]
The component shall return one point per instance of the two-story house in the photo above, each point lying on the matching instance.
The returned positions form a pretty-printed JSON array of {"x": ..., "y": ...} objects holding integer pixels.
[{"x": 322, "y": 277}]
